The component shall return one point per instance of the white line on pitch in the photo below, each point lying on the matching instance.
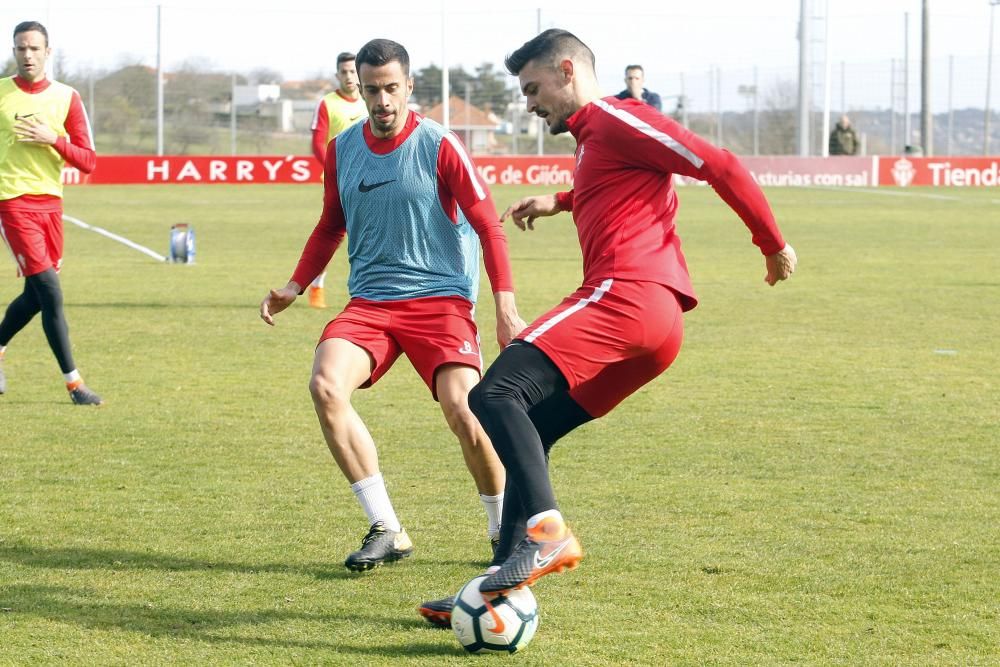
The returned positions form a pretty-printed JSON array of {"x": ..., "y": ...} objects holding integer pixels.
[
  {"x": 893, "y": 193},
  {"x": 114, "y": 237}
]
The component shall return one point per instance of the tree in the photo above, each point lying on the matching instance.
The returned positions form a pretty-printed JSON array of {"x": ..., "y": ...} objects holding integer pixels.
[
  {"x": 264, "y": 76},
  {"x": 126, "y": 101},
  {"x": 494, "y": 92},
  {"x": 192, "y": 95},
  {"x": 488, "y": 89},
  {"x": 779, "y": 121}
]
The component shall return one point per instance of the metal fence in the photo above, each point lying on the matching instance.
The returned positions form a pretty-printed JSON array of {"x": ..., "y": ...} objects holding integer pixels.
[{"x": 210, "y": 54}]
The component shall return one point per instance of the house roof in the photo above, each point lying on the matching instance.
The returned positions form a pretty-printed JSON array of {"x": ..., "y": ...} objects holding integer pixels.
[{"x": 462, "y": 116}]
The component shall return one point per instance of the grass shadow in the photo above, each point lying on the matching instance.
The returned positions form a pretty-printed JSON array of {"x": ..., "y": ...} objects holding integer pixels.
[
  {"x": 91, "y": 609},
  {"x": 78, "y": 558}
]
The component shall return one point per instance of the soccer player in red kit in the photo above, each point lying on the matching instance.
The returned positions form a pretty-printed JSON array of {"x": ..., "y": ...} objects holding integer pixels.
[
  {"x": 42, "y": 126},
  {"x": 415, "y": 212},
  {"x": 336, "y": 112},
  {"x": 623, "y": 326}
]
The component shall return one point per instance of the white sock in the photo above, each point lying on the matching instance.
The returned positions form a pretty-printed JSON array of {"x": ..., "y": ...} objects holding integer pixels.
[
  {"x": 541, "y": 516},
  {"x": 374, "y": 499},
  {"x": 318, "y": 280},
  {"x": 494, "y": 510},
  {"x": 72, "y": 376},
  {"x": 3, "y": 348}
]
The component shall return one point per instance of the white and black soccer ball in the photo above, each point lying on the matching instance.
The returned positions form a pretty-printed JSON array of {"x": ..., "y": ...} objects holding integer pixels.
[{"x": 505, "y": 623}]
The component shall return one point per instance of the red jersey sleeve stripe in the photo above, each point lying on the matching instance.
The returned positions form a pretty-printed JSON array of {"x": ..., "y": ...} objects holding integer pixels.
[
  {"x": 467, "y": 163},
  {"x": 651, "y": 131}
]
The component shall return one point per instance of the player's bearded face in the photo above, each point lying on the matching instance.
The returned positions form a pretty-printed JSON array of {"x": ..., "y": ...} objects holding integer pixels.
[
  {"x": 550, "y": 97},
  {"x": 386, "y": 90}
]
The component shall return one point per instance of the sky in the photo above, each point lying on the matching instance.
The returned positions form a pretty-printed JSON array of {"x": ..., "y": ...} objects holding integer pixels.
[{"x": 300, "y": 38}]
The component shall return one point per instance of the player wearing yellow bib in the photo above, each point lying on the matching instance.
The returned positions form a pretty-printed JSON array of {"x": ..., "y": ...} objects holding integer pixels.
[
  {"x": 43, "y": 125},
  {"x": 336, "y": 112}
]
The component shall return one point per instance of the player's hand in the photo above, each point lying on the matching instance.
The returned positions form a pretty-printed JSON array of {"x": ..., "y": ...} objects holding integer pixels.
[
  {"x": 780, "y": 265},
  {"x": 277, "y": 300},
  {"x": 509, "y": 323},
  {"x": 31, "y": 131},
  {"x": 524, "y": 211}
]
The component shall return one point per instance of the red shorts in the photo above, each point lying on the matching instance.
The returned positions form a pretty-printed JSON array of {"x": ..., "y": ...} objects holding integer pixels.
[
  {"x": 34, "y": 239},
  {"x": 431, "y": 331},
  {"x": 610, "y": 339}
]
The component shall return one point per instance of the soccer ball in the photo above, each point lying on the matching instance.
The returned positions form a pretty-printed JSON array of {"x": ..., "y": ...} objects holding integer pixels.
[{"x": 504, "y": 623}]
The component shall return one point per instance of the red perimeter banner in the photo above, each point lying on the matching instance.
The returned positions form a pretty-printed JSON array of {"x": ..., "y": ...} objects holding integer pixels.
[
  {"x": 549, "y": 170},
  {"x": 940, "y": 172},
  {"x": 175, "y": 169}
]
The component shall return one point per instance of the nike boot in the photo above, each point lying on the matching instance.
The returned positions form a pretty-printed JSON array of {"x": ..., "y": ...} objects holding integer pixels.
[
  {"x": 380, "y": 545},
  {"x": 549, "y": 547}
]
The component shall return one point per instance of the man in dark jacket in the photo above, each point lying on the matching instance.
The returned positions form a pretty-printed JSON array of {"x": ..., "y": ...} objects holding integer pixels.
[
  {"x": 635, "y": 77},
  {"x": 843, "y": 140}
]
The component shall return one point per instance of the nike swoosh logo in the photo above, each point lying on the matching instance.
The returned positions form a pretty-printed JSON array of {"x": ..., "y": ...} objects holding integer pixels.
[
  {"x": 364, "y": 187},
  {"x": 498, "y": 625},
  {"x": 20, "y": 117},
  {"x": 548, "y": 558}
]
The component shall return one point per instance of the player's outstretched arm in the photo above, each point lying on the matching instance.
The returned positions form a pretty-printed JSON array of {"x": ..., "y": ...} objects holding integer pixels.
[
  {"x": 780, "y": 265},
  {"x": 277, "y": 300},
  {"x": 524, "y": 211},
  {"x": 509, "y": 323}
]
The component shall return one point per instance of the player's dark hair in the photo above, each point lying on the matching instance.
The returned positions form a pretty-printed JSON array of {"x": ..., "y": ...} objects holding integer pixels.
[
  {"x": 28, "y": 26},
  {"x": 380, "y": 52},
  {"x": 638, "y": 67},
  {"x": 549, "y": 47},
  {"x": 345, "y": 57}
]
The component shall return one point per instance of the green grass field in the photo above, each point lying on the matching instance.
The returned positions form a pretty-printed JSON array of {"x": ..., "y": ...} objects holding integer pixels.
[{"x": 815, "y": 481}]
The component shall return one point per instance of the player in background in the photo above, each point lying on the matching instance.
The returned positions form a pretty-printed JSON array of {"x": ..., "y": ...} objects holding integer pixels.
[
  {"x": 623, "y": 326},
  {"x": 336, "y": 112},
  {"x": 635, "y": 86},
  {"x": 414, "y": 210},
  {"x": 42, "y": 126}
]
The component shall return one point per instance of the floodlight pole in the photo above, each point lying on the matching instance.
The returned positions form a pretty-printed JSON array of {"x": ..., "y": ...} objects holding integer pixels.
[
  {"x": 91, "y": 110},
  {"x": 843, "y": 88},
  {"x": 926, "y": 119},
  {"x": 232, "y": 115},
  {"x": 718, "y": 106},
  {"x": 989, "y": 78},
  {"x": 951, "y": 105},
  {"x": 683, "y": 103},
  {"x": 445, "y": 84},
  {"x": 159, "y": 80},
  {"x": 468, "y": 121},
  {"x": 540, "y": 124},
  {"x": 805, "y": 103},
  {"x": 824, "y": 137},
  {"x": 906, "y": 81},
  {"x": 756, "y": 113}
]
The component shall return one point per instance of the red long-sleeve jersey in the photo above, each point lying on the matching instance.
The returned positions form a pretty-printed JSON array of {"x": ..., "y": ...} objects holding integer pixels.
[
  {"x": 623, "y": 200},
  {"x": 459, "y": 186}
]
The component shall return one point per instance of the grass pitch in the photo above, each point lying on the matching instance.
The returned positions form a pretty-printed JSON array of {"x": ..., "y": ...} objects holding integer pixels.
[{"x": 814, "y": 481}]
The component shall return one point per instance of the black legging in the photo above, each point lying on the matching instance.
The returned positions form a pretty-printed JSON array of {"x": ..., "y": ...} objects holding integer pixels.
[
  {"x": 42, "y": 293},
  {"x": 523, "y": 404}
]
